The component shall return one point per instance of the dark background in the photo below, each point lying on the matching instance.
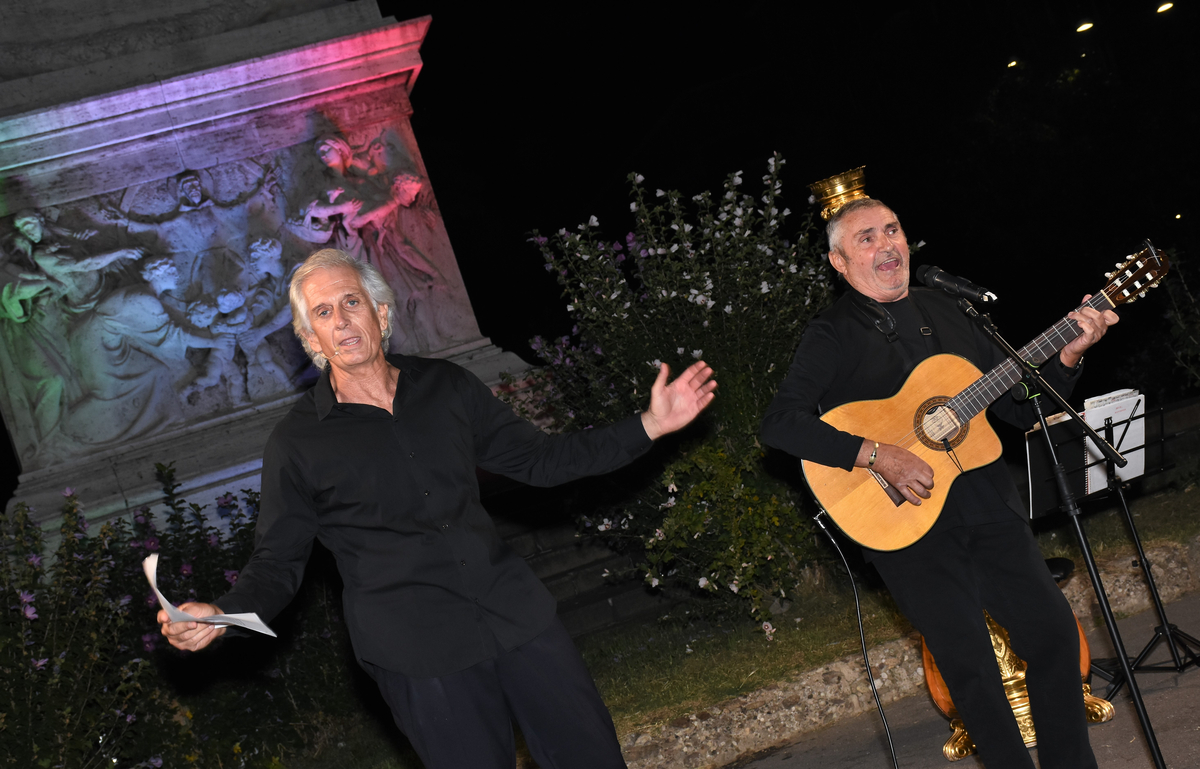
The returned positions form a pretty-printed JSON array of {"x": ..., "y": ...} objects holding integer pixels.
[{"x": 1031, "y": 180}]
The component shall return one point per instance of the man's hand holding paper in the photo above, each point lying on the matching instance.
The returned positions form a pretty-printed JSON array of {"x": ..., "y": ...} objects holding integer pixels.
[{"x": 192, "y": 626}]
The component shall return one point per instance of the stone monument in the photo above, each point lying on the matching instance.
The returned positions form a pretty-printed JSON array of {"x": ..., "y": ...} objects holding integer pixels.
[{"x": 152, "y": 208}]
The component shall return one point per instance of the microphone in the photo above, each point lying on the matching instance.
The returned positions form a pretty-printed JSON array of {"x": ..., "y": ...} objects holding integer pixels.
[{"x": 935, "y": 277}]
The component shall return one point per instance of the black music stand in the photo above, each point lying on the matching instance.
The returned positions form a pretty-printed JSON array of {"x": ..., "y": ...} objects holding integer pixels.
[{"x": 1182, "y": 646}]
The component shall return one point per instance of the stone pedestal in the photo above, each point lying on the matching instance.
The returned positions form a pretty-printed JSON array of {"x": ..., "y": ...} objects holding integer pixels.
[{"x": 153, "y": 208}]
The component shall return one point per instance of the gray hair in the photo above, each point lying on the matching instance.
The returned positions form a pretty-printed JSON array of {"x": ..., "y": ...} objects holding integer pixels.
[
  {"x": 369, "y": 276},
  {"x": 833, "y": 229}
]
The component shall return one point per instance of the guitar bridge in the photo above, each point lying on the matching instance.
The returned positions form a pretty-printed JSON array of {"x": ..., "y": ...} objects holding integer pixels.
[{"x": 894, "y": 495}]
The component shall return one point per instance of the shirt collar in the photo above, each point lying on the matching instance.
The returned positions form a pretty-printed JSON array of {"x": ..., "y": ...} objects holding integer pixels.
[{"x": 323, "y": 389}]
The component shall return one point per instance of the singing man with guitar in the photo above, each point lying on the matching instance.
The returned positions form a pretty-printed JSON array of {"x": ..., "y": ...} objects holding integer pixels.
[{"x": 975, "y": 552}]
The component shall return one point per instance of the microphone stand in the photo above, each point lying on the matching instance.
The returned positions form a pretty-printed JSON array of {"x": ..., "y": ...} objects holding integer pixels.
[{"x": 1035, "y": 386}]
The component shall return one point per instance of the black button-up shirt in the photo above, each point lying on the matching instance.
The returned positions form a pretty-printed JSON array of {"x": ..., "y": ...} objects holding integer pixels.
[{"x": 430, "y": 588}]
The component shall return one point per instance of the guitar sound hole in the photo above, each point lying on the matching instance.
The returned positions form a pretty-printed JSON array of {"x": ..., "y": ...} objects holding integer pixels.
[{"x": 933, "y": 424}]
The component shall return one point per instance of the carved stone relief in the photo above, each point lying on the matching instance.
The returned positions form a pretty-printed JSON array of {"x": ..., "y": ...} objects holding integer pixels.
[{"x": 130, "y": 312}]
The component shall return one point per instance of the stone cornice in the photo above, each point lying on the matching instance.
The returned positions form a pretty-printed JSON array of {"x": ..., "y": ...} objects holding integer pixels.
[{"x": 108, "y": 142}]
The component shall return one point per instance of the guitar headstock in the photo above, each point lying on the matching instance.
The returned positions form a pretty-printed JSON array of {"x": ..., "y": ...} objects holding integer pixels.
[{"x": 1136, "y": 275}]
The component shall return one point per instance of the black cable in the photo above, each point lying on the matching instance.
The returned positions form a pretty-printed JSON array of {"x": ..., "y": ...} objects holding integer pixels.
[{"x": 862, "y": 637}]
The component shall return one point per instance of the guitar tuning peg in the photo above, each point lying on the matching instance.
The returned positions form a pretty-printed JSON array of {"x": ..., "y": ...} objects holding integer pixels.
[
  {"x": 1108, "y": 275},
  {"x": 1118, "y": 265}
]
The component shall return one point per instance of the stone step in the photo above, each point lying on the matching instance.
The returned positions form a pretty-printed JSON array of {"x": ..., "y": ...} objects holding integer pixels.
[
  {"x": 572, "y": 568},
  {"x": 531, "y": 540},
  {"x": 587, "y": 577},
  {"x": 611, "y": 605}
]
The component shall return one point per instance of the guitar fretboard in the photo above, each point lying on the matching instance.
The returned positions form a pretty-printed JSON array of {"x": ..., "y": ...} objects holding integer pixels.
[{"x": 986, "y": 389}]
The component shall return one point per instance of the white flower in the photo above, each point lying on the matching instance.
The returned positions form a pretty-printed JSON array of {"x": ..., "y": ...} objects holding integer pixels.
[
  {"x": 687, "y": 649},
  {"x": 709, "y": 304},
  {"x": 737, "y": 178},
  {"x": 792, "y": 268},
  {"x": 697, "y": 353},
  {"x": 585, "y": 257},
  {"x": 659, "y": 193},
  {"x": 615, "y": 294},
  {"x": 703, "y": 581},
  {"x": 570, "y": 308},
  {"x": 669, "y": 503},
  {"x": 659, "y": 534},
  {"x": 674, "y": 248},
  {"x": 733, "y": 586},
  {"x": 675, "y": 227},
  {"x": 787, "y": 211},
  {"x": 633, "y": 206},
  {"x": 672, "y": 488},
  {"x": 639, "y": 178},
  {"x": 654, "y": 582},
  {"x": 765, "y": 287},
  {"x": 679, "y": 351},
  {"x": 654, "y": 364},
  {"x": 593, "y": 221},
  {"x": 728, "y": 308},
  {"x": 920, "y": 244}
]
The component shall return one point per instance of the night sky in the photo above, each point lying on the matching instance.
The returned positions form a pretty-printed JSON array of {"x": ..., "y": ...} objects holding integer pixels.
[{"x": 1031, "y": 180}]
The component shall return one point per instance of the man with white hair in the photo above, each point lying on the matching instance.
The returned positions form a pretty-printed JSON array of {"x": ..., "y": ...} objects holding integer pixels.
[{"x": 378, "y": 461}]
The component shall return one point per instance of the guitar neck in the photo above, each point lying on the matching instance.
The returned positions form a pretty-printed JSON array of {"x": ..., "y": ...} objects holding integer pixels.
[{"x": 984, "y": 391}]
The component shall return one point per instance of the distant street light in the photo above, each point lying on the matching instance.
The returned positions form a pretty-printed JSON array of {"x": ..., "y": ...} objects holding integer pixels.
[
  {"x": 1166, "y": 7},
  {"x": 1084, "y": 27}
]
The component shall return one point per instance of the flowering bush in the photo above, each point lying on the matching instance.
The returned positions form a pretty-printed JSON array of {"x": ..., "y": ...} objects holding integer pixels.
[
  {"x": 718, "y": 277},
  {"x": 90, "y": 682}
]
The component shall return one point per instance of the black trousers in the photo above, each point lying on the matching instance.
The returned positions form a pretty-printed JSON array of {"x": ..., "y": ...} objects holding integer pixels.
[
  {"x": 465, "y": 719},
  {"x": 943, "y": 584}
]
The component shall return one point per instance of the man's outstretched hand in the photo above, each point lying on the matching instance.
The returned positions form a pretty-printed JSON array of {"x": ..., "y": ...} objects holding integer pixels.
[
  {"x": 673, "y": 406},
  {"x": 191, "y": 636}
]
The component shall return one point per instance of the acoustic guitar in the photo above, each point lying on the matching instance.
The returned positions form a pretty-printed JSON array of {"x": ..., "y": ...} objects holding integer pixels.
[{"x": 939, "y": 416}]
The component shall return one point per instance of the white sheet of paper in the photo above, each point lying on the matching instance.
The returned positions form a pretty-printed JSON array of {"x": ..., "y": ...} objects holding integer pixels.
[
  {"x": 248, "y": 621},
  {"x": 1131, "y": 442}
]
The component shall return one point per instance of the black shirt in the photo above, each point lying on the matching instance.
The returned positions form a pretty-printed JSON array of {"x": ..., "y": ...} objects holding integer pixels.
[{"x": 430, "y": 588}]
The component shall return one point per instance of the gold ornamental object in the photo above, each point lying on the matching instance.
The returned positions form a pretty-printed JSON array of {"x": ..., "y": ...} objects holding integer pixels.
[
  {"x": 1012, "y": 670},
  {"x": 837, "y": 191}
]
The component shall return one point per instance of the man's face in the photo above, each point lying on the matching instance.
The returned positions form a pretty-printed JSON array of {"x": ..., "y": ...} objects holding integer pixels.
[
  {"x": 189, "y": 186},
  {"x": 31, "y": 228},
  {"x": 873, "y": 254},
  {"x": 346, "y": 328}
]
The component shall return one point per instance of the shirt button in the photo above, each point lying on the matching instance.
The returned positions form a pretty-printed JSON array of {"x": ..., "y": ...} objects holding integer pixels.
[
  {"x": 427, "y": 492},
  {"x": 462, "y": 563},
  {"x": 445, "y": 525}
]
